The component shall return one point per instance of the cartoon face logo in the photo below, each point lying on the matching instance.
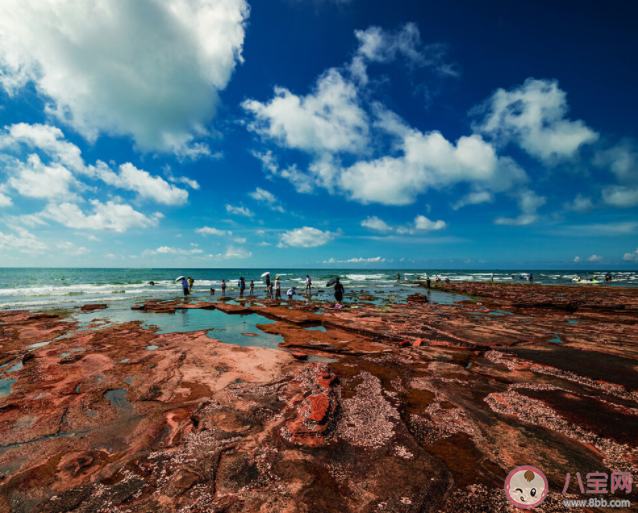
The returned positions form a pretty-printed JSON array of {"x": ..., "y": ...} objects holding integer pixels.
[{"x": 526, "y": 487}]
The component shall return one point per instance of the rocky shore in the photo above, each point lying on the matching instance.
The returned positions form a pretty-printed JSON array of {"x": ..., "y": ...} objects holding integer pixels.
[{"x": 403, "y": 407}]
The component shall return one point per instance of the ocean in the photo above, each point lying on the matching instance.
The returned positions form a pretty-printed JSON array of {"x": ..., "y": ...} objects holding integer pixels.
[{"x": 41, "y": 288}]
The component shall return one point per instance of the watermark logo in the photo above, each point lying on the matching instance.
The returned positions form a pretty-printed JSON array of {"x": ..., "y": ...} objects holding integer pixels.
[{"x": 526, "y": 487}]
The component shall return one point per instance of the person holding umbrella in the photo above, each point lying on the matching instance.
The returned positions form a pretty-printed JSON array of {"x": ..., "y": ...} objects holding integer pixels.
[{"x": 184, "y": 285}]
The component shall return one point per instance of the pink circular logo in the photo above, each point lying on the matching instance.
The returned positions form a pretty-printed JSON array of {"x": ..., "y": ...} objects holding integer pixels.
[{"x": 526, "y": 487}]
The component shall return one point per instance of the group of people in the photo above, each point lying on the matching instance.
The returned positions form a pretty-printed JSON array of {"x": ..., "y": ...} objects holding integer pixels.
[{"x": 273, "y": 289}]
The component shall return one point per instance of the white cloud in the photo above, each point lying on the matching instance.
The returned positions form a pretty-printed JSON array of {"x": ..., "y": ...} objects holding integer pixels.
[
  {"x": 428, "y": 161},
  {"x": 621, "y": 196},
  {"x": 576, "y": 259},
  {"x": 355, "y": 260},
  {"x": 329, "y": 119},
  {"x": 267, "y": 197},
  {"x": 141, "y": 182},
  {"x": 33, "y": 178},
  {"x": 622, "y": 159},
  {"x": 24, "y": 242},
  {"x": 381, "y": 46},
  {"x": 264, "y": 243},
  {"x": 206, "y": 230},
  {"x": 423, "y": 223},
  {"x": 71, "y": 249},
  {"x": 580, "y": 204},
  {"x": 305, "y": 237},
  {"x": 117, "y": 217},
  {"x": 632, "y": 257},
  {"x": 529, "y": 202},
  {"x": 233, "y": 252},
  {"x": 301, "y": 181},
  {"x": 240, "y": 240},
  {"x": 167, "y": 250},
  {"x": 595, "y": 258},
  {"x": 5, "y": 201},
  {"x": 420, "y": 224},
  {"x": 146, "y": 69},
  {"x": 474, "y": 198},
  {"x": 242, "y": 211},
  {"x": 534, "y": 116},
  {"x": 374, "y": 223}
]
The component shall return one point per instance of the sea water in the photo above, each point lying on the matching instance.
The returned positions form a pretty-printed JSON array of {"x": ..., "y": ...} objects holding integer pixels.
[{"x": 39, "y": 288}]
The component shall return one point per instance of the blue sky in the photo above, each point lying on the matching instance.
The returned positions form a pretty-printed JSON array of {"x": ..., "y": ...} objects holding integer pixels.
[{"x": 317, "y": 133}]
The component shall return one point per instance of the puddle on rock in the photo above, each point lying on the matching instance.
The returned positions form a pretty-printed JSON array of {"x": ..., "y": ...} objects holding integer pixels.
[
  {"x": 317, "y": 328},
  {"x": 152, "y": 347},
  {"x": 323, "y": 359},
  {"x": 556, "y": 340},
  {"x": 5, "y": 387},
  {"x": 15, "y": 368},
  {"x": 125, "y": 360},
  {"x": 117, "y": 398}
]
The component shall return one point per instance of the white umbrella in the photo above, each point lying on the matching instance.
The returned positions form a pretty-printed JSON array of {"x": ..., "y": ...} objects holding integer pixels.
[
  {"x": 180, "y": 278},
  {"x": 265, "y": 274}
]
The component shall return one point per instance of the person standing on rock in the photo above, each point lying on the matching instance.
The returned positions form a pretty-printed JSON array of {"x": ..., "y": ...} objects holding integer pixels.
[
  {"x": 185, "y": 287},
  {"x": 308, "y": 285},
  {"x": 277, "y": 288},
  {"x": 339, "y": 291},
  {"x": 242, "y": 286},
  {"x": 252, "y": 288},
  {"x": 427, "y": 283},
  {"x": 223, "y": 287}
]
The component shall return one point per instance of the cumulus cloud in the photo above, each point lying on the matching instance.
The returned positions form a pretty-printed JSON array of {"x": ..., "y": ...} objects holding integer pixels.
[
  {"x": 71, "y": 249},
  {"x": 117, "y": 217},
  {"x": 306, "y": 237},
  {"x": 577, "y": 259},
  {"x": 143, "y": 183},
  {"x": 579, "y": 204},
  {"x": 206, "y": 230},
  {"x": 355, "y": 260},
  {"x": 621, "y": 159},
  {"x": 381, "y": 46},
  {"x": 5, "y": 201},
  {"x": 241, "y": 211},
  {"x": 621, "y": 196},
  {"x": 632, "y": 257},
  {"x": 268, "y": 198},
  {"x": 167, "y": 250},
  {"x": 533, "y": 116},
  {"x": 529, "y": 202},
  {"x": 234, "y": 252},
  {"x": 425, "y": 160},
  {"x": 328, "y": 119},
  {"x": 24, "y": 241},
  {"x": 151, "y": 70},
  {"x": 595, "y": 258},
  {"x": 33, "y": 178},
  {"x": 374, "y": 223},
  {"x": 421, "y": 224},
  {"x": 474, "y": 198}
]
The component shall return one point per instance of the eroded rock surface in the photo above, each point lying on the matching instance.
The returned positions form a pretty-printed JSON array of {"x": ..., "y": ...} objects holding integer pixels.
[{"x": 415, "y": 407}]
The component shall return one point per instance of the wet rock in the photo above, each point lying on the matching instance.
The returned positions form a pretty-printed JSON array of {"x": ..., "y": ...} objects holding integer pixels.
[{"x": 90, "y": 308}]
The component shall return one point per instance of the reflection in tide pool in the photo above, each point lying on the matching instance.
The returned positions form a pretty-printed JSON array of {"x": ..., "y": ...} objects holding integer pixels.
[{"x": 227, "y": 328}]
